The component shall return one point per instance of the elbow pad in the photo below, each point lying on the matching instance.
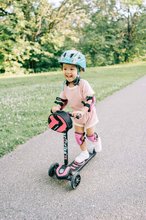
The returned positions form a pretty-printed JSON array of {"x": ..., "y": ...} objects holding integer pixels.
[
  {"x": 61, "y": 102},
  {"x": 90, "y": 104}
]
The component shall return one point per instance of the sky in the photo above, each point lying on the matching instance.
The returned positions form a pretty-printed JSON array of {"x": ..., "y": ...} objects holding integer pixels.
[{"x": 57, "y": 2}]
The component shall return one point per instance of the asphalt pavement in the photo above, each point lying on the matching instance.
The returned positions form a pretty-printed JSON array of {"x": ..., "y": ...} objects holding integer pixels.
[{"x": 113, "y": 184}]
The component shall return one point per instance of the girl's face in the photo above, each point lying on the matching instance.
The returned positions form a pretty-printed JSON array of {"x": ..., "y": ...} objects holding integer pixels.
[{"x": 70, "y": 72}]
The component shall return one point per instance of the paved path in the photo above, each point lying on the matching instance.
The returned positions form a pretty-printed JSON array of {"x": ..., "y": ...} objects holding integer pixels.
[{"x": 113, "y": 185}]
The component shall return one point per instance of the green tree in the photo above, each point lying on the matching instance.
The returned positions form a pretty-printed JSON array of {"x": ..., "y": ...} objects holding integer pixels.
[
  {"x": 132, "y": 12},
  {"x": 34, "y": 33},
  {"x": 38, "y": 30},
  {"x": 113, "y": 35}
]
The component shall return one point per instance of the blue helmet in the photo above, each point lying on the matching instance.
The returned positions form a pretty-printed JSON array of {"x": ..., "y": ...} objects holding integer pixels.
[{"x": 73, "y": 57}]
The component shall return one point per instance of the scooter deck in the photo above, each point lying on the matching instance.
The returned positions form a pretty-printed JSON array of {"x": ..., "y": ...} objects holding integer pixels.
[{"x": 76, "y": 167}]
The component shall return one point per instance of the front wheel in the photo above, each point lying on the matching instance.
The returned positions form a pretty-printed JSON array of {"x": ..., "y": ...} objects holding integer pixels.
[
  {"x": 52, "y": 169},
  {"x": 75, "y": 180}
]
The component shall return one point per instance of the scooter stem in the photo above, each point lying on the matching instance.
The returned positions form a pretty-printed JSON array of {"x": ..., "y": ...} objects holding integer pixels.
[{"x": 65, "y": 139}]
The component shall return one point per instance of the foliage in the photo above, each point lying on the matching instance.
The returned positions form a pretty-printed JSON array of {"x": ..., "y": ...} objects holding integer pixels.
[
  {"x": 115, "y": 34},
  {"x": 33, "y": 34}
]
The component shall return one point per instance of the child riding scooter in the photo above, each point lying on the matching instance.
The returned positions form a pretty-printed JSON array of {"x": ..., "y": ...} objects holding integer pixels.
[{"x": 79, "y": 95}]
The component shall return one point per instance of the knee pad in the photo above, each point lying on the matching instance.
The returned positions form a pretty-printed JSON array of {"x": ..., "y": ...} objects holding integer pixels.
[
  {"x": 93, "y": 137},
  {"x": 80, "y": 137}
]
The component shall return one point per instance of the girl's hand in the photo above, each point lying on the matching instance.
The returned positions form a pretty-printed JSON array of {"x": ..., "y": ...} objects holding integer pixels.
[
  {"x": 77, "y": 114},
  {"x": 55, "y": 108}
]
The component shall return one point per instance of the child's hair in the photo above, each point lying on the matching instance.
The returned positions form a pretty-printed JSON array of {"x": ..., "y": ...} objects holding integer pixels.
[{"x": 73, "y": 57}]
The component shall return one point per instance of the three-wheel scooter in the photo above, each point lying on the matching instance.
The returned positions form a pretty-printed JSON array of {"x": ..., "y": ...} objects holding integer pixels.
[{"x": 61, "y": 121}]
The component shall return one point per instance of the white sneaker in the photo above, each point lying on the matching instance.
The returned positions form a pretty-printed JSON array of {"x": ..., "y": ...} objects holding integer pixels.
[
  {"x": 84, "y": 155},
  {"x": 98, "y": 145},
  {"x": 95, "y": 145}
]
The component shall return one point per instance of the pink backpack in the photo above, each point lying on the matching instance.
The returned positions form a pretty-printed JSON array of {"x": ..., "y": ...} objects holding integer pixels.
[{"x": 60, "y": 121}]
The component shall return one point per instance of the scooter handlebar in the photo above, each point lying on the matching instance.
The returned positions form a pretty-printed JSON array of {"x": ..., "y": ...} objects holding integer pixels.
[{"x": 78, "y": 116}]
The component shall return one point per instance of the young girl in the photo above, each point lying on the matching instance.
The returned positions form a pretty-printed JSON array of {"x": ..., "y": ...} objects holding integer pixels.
[{"x": 79, "y": 95}]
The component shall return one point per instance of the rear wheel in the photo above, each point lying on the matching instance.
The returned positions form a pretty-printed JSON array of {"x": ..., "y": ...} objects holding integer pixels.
[
  {"x": 75, "y": 180},
  {"x": 52, "y": 169}
]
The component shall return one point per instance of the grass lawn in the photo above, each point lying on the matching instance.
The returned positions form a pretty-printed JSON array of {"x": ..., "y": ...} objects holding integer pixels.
[{"x": 25, "y": 102}]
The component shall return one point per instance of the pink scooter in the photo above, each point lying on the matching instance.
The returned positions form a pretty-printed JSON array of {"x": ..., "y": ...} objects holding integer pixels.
[{"x": 61, "y": 121}]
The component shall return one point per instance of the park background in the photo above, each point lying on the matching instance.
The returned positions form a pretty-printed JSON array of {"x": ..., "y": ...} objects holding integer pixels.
[{"x": 33, "y": 35}]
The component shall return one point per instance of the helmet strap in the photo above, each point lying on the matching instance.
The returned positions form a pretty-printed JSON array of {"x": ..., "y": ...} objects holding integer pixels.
[{"x": 75, "y": 81}]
